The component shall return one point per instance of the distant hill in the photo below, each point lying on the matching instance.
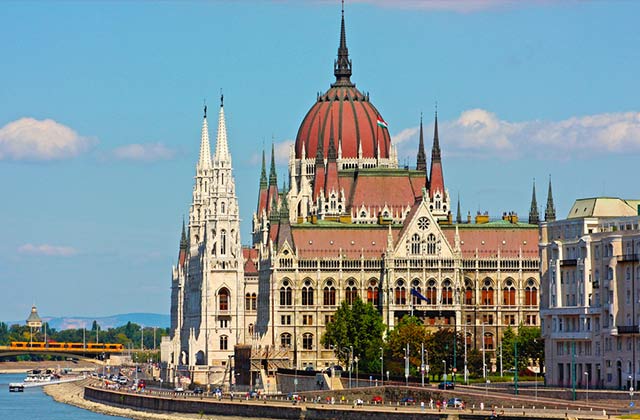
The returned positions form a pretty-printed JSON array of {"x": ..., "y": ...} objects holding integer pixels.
[{"x": 67, "y": 322}]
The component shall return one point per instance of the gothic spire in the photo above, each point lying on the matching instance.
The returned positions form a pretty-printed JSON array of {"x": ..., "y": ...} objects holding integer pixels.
[
  {"x": 222, "y": 147},
  {"x": 421, "y": 165},
  {"x": 458, "y": 214},
  {"x": 273, "y": 177},
  {"x": 436, "y": 177},
  {"x": 534, "y": 217},
  {"x": 204, "y": 161},
  {"x": 263, "y": 173},
  {"x": 342, "y": 66},
  {"x": 320, "y": 152},
  {"x": 183, "y": 237},
  {"x": 435, "y": 152},
  {"x": 331, "y": 153},
  {"x": 550, "y": 212}
]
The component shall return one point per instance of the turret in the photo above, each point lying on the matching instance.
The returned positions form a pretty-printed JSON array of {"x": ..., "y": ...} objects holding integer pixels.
[
  {"x": 272, "y": 196},
  {"x": 331, "y": 180},
  {"x": 263, "y": 192},
  {"x": 534, "y": 217},
  {"x": 421, "y": 164},
  {"x": 550, "y": 211},
  {"x": 435, "y": 177}
]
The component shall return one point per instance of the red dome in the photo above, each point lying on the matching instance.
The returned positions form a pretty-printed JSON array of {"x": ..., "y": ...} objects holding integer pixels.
[{"x": 354, "y": 124}]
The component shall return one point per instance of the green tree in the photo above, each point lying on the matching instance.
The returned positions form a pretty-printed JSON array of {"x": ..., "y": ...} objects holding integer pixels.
[
  {"x": 360, "y": 327},
  {"x": 530, "y": 345},
  {"x": 411, "y": 331},
  {"x": 474, "y": 363}
]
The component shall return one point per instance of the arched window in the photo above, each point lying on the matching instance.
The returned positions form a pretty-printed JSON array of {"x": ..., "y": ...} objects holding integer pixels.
[
  {"x": 373, "y": 293},
  {"x": 250, "y": 301},
  {"x": 223, "y": 208},
  {"x": 307, "y": 341},
  {"x": 251, "y": 330},
  {"x": 447, "y": 293},
  {"x": 285, "y": 340},
  {"x": 285, "y": 294},
  {"x": 488, "y": 341},
  {"x": 415, "y": 244},
  {"x": 329, "y": 295},
  {"x": 307, "y": 294},
  {"x": 351, "y": 292},
  {"x": 609, "y": 273},
  {"x": 487, "y": 293},
  {"x": 223, "y": 299},
  {"x": 432, "y": 292},
  {"x": 431, "y": 244},
  {"x": 400, "y": 293},
  {"x": 254, "y": 301},
  {"x": 531, "y": 293},
  {"x": 415, "y": 285},
  {"x": 469, "y": 293},
  {"x": 509, "y": 293},
  {"x": 223, "y": 242},
  {"x": 200, "y": 356},
  {"x": 224, "y": 342}
]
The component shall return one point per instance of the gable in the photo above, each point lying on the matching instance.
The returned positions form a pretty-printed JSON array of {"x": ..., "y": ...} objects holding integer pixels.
[{"x": 422, "y": 236}]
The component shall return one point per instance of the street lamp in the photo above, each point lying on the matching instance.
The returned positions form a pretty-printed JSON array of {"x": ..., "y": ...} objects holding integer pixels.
[
  {"x": 445, "y": 370},
  {"x": 587, "y": 375},
  {"x": 381, "y": 367},
  {"x": 356, "y": 359}
]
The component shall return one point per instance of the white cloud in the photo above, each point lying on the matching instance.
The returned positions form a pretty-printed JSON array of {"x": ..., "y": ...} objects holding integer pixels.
[
  {"x": 282, "y": 150},
  {"x": 47, "y": 250},
  {"x": 147, "y": 152},
  {"x": 40, "y": 140},
  {"x": 480, "y": 133}
]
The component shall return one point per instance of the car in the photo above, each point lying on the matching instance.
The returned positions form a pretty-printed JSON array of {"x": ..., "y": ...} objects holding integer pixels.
[
  {"x": 377, "y": 399},
  {"x": 358, "y": 401},
  {"x": 455, "y": 403},
  {"x": 446, "y": 385},
  {"x": 408, "y": 400},
  {"x": 198, "y": 390},
  {"x": 309, "y": 369},
  {"x": 179, "y": 389},
  {"x": 252, "y": 393}
]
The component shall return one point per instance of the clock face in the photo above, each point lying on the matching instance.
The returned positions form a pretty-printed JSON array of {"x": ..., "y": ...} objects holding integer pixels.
[{"x": 423, "y": 223}]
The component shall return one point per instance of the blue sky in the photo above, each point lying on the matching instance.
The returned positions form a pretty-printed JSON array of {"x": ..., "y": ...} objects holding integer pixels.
[{"x": 101, "y": 106}]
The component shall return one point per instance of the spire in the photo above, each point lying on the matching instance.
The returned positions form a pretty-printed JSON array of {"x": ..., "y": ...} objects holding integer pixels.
[
  {"x": 183, "y": 237},
  {"x": 263, "y": 173},
  {"x": 421, "y": 165},
  {"x": 204, "y": 161},
  {"x": 331, "y": 153},
  {"x": 342, "y": 66},
  {"x": 320, "y": 151},
  {"x": 458, "y": 214},
  {"x": 550, "y": 212},
  {"x": 534, "y": 217},
  {"x": 435, "y": 152},
  {"x": 222, "y": 148},
  {"x": 273, "y": 177}
]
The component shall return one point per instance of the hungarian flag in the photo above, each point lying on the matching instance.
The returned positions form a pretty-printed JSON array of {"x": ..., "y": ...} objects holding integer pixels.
[{"x": 382, "y": 123}]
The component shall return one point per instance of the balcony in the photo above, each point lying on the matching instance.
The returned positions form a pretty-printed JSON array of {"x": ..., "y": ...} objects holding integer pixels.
[
  {"x": 625, "y": 329},
  {"x": 628, "y": 258},
  {"x": 569, "y": 262}
]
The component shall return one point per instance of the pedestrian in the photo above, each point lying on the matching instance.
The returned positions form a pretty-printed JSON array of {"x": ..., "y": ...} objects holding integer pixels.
[
  {"x": 422, "y": 405},
  {"x": 431, "y": 403}
]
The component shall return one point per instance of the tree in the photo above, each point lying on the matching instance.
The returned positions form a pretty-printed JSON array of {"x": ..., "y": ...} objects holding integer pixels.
[
  {"x": 530, "y": 347},
  {"x": 358, "y": 326},
  {"x": 411, "y": 331}
]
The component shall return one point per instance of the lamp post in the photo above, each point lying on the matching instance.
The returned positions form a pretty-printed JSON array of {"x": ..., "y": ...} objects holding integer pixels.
[
  {"x": 356, "y": 359},
  {"x": 516, "y": 366},
  {"x": 381, "y": 367},
  {"x": 445, "y": 370},
  {"x": 350, "y": 363},
  {"x": 587, "y": 375}
]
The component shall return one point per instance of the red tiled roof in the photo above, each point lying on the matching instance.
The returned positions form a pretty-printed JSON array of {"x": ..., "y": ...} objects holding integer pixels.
[
  {"x": 380, "y": 190},
  {"x": 250, "y": 255},
  {"x": 488, "y": 240},
  {"x": 324, "y": 241}
]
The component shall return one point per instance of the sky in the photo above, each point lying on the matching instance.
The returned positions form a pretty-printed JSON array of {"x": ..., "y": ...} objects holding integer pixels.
[{"x": 101, "y": 110}]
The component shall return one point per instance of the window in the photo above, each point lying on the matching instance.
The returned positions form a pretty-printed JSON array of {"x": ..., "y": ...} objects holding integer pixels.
[
  {"x": 447, "y": 293},
  {"x": 510, "y": 319},
  {"x": 223, "y": 242},
  {"x": 285, "y": 340},
  {"x": 469, "y": 293},
  {"x": 307, "y": 341},
  {"x": 250, "y": 301},
  {"x": 224, "y": 323},
  {"x": 307, "y": 319},
  {"x": 509, "y": 294},
  {"x": 432, "y": 292},
  {"x": 415, "y": 244},
  {"x": 431, "y": 244},
  {"x": 488, "y": 341},
  {"x": 373, "y": 293},
  {"x": 223, "y": 299},
  {"x": 487, "y": 319},
  {"x": 530, "y": 293},
  {"x": 285, "y": 319},
  {"x": 307, "y": 294},
  {"x": 251, "y": 329},
  {"x": 415, "y": 285},
  {"x": 351, "y": 292},
  {"x": 329, "y": 294},
  {"x": 487, "y": 293},
  {"x": 400, "y": 293},
  {"x": 285, "y": 294},
  {"x": 224, "y": 342},
  {"x": 328, "y": 319}
]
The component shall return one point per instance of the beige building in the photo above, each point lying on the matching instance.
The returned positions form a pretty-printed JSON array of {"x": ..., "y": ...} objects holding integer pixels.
[{"x": 590, "y": 300}]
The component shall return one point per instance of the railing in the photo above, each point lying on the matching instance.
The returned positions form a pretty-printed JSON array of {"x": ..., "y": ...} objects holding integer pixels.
[
  {"x": 628, "y": 258},
  {"x": 571, "y": 262},
  {"x": 627, "y": 329}
]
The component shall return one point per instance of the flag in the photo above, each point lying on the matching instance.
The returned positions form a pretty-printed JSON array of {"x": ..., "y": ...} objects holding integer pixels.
[
  {"x": 382, "y": 123},
  {"x": 417, "y": 294}
]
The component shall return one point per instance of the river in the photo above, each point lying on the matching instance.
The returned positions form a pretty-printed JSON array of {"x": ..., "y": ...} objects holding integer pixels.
[{"x": 34, "y": 404}]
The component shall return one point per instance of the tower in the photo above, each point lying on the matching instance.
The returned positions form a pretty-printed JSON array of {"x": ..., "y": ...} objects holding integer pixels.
[
  {"x": 550, "y": 211},
  {"x": 421, "y": 164},
  {"x": 534, "y": 217}
]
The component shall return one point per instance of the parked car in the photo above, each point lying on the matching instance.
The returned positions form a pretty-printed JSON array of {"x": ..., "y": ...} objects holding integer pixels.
[
  {"x": 198, "y": 390},
  {"x": 408, "y": 400},
  {"x": 446, "y": 385},
  {"x": 358, "y": 401},
  {"x": 455, "y": 402},
  {"x": 377, "y": 399},
  {"x": 179, "y": 389}
]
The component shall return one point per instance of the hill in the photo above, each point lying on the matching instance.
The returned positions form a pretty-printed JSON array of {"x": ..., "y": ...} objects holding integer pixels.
[{"x": 67, "y": 322}]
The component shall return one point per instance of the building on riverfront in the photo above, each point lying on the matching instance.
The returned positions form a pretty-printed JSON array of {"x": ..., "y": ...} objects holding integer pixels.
[
  {"x": 350, "y": 223},
  {"x": 589, "y": 306}
]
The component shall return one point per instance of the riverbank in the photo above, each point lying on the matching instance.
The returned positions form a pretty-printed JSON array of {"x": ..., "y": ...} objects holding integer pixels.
[
  {"x": 23, "y": 367},
  {"x": 73, "y": 394}
]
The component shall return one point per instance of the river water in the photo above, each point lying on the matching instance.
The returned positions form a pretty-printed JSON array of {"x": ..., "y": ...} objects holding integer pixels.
[{"x": 34, "y": 404}]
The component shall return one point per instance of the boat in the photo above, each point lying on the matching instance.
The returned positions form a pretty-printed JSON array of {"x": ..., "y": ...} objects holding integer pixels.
[
  {"x": 41, "y": 375},
  {"x": 16, "y": 387}
]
